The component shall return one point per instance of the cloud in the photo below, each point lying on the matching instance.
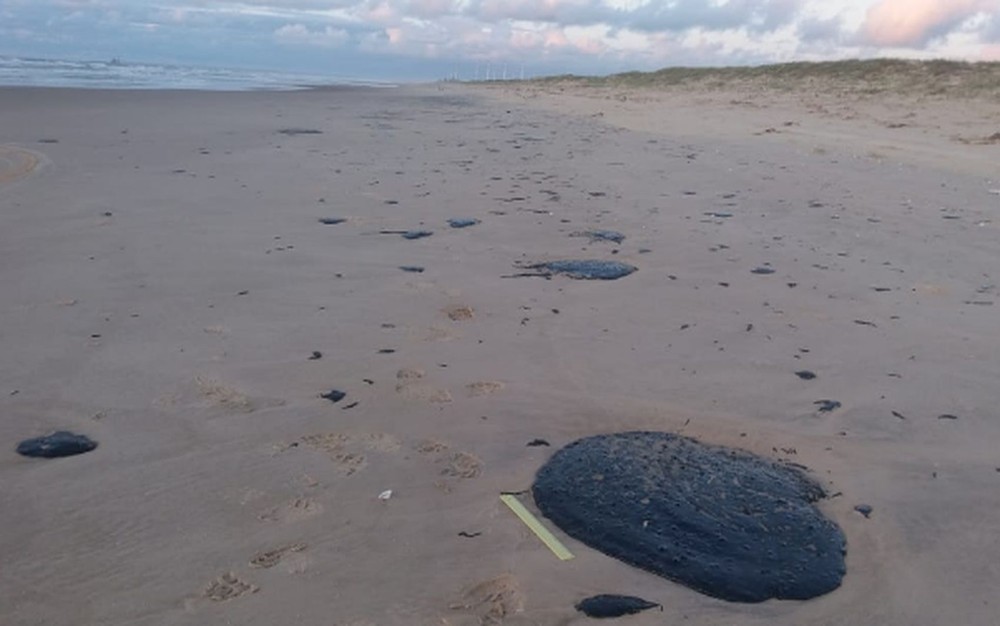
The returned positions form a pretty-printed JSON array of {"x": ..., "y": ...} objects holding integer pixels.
[
  {"x": 914, "y": 23},
  {"x": 990, "y": 52},
  {"x": 396, "y": 38},
  {"x": 432, "y": 8},
  {"x": 991, "y": 30},
  {"x": 650, "y": 16},
  {"x": 813, "y": 30},
  {"x": 299, "y": 34}
]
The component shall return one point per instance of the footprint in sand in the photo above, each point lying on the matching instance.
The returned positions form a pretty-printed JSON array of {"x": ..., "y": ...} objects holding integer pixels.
[
  {"x": 228, "y": 587},
  {"x": 462, "y": 465},
  {"x": 347, "y": 451},
  {"x": 223, "y": 395},
  {"x": 484, "y": 387},
  {"x": 379, "y": 442},
  {"x": 492, "y": 601},
  {"x": 460, "y": 313},
  {"x": 451, "y": 464},
  {"x": 439, "y": 333},
  {"x": 212, "y": 393},
  {"x": 294, "y": 510},
  {"x": 335, "y": 446},
  {"x": 408, "y": 383},
  {"x": 269, "y": 558},
  {"x": 407, "y": 375},
  {"x": 432, "y": 447}
]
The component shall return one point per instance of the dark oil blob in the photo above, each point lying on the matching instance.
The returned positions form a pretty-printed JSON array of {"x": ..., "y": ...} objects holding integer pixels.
[
  {"x": 462, "y": 222},
  {"x": 724, "y": 522},
  {"x": 334, "y": 395},
  {"x": 825, "y": 406},
  {"x": 416, "y": 234},
  {"x": 291, "y": 132},
  {"x": 56, "y": 445},
  {"x": 607, "y": 605}
]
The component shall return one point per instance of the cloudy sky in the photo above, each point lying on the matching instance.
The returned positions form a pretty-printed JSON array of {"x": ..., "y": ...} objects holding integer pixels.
[{"x": 420, "y": 39}]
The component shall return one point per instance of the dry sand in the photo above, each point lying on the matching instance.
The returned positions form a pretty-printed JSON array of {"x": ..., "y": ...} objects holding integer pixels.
[{"x": 164, "y": 281}]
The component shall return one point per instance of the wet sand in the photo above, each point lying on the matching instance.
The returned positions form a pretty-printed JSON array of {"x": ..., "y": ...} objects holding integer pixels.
[{"x": 169, "y": 290}]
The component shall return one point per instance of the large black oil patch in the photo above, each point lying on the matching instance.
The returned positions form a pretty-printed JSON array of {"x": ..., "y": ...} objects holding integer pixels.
[{"x": 721, "y": 521}]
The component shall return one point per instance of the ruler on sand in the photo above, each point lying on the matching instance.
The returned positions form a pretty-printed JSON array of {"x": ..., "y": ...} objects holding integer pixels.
[{"x": 536, "y": 527}]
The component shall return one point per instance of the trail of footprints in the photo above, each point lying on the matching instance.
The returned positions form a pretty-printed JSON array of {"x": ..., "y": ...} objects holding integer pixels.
[{"x": 349, "y": 454}]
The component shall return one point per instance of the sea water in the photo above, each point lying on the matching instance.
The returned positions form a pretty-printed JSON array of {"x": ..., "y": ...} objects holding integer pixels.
[{"x": 115, "y": 74}]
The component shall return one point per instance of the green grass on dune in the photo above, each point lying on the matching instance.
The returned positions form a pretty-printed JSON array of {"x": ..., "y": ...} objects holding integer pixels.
[{"x": 875, "y": 76}]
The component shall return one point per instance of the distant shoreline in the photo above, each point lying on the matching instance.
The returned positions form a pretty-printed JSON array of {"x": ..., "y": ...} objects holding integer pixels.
[
  {"x": 117, "y": 75},
  {"x": 179, "y": 91}
]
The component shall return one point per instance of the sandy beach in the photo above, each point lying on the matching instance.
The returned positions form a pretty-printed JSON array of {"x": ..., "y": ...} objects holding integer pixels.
[{"x": 168, "y": 289}]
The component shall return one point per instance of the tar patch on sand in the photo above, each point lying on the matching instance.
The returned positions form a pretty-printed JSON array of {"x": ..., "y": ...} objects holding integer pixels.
[
  {"x": 607, "y": 606},
  {"x": 721, "y": 521},
  {"x": 612, "y": 236},
  {"x": 56, "y": 445},
  {"x": 581, "y": 270}
]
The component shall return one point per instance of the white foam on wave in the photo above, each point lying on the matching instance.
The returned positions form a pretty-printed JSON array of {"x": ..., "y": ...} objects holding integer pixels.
[{"x": 115, "y": 74}]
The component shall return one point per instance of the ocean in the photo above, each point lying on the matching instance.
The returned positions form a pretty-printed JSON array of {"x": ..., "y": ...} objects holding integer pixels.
[{"x": 116, "y": 74}]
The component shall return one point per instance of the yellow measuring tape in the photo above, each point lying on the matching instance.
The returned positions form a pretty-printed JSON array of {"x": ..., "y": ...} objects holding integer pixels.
[{"x": 536, "y": 527}]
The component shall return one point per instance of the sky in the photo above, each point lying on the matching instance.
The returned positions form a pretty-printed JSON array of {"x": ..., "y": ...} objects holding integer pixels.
[{"x": 430, "y": 39}]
